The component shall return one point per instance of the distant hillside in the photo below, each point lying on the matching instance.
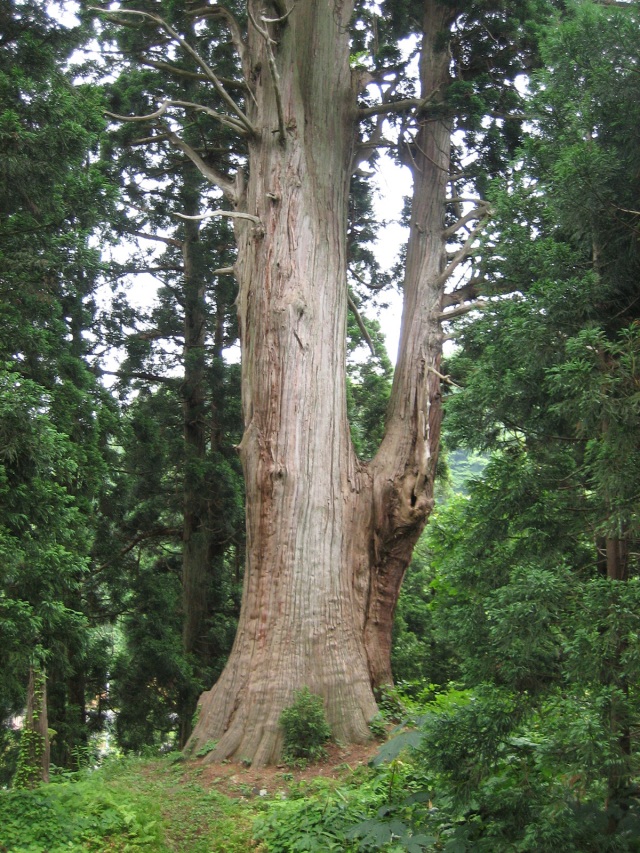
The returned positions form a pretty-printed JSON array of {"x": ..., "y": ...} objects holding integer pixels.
[{"x": 463, "y": 466}]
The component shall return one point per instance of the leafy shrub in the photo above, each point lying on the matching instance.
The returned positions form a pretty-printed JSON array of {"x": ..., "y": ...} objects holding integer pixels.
[
  {"x": 378, "y": 726},
  {"x": 305, "y": 728},
  {"x": 390, "y": 704},
  {"x": 372, "y": 811},
  {"x": 65, "y": 816}
]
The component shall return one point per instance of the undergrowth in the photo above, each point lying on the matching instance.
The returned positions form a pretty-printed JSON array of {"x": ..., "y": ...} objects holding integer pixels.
[
  {"x": 325, "y": 815},
  {"x": 126, "y": 806},
  {"x": 305, "y": 729},
  {"x": 456, "y": 779}
]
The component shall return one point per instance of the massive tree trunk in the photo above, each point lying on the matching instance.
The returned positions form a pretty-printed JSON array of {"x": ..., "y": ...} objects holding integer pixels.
[
  {"x": 404, "y": 468},
  {"x": 328, "y": 537}
]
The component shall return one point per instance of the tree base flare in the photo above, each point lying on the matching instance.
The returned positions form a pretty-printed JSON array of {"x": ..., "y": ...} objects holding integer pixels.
[{"x": 242, "y": 715}]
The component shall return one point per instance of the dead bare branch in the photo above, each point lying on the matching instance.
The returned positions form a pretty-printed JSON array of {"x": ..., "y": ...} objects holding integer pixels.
[
  {"x": 281, "y": 19},
  {"x": 149, "y": 117},
  {"x": 148, "y": 140},
  {"x": 366, "y": 283},
  {"x": 386, "y": 107},
  {"x": 442, "y": 377},
  {"x": 358, "y": 318},
  {"x": 226, "y": 120},
  {"x": 478, "y": 213},
  {"x": 476, "y": 305},
  {"x": 190, "y": 75},
  {"x": 211, "y": 174},
  {"x": 232, "y": 214},
  {"x": 209, "y": 73},
  {"x": 172, "y": 69},
  {"x": 219, "y": 11},
  {"x": 168, "y": 241},
  {"x": 461, "y": 255}
]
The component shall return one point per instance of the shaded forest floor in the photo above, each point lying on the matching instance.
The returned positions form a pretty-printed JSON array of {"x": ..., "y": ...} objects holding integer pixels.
[{"x": 164, "y": 805}]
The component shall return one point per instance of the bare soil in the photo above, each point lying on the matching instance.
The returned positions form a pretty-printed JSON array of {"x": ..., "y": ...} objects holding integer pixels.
[{"x": 238, "y": 780}]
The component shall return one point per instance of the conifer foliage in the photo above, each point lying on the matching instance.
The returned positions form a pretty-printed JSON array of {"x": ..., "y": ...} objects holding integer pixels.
[
  {"x": 54, "y": 417},
  {"x": 537, "y": 570},
  {"x": 226, "y": 153}
]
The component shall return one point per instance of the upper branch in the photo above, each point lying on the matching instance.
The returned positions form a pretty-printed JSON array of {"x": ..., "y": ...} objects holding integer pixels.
[
  {"x": 363, "y": 329},
  {"x": 149, "y": 117},
  {"x": 168, "y": 241},
  {"x": 390, "y": 107},
  {"x": 227, "y": 186},
  {"x": 478, "y": 213},
  {"x": 226, "y": 120},
  {"x": 460, "y": 310},
  {"x": 400, "y": 106},
  {"x": 140, "y": 374},
  {"x": 189, "y": 75},
  {"x": 209, "y": 73},
  {"x": 223, "y": 119},
  {"x": 462, "y": 254},
  {"x": 219, "y": 11},
  {"x": 467, "y": 291},
  {"x": 232, "y": 214}
]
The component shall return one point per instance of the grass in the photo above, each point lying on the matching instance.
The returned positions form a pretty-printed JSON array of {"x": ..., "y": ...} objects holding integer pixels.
[
  {"x": 163, "y": 805},
  {"x": 128, "y": 805}
]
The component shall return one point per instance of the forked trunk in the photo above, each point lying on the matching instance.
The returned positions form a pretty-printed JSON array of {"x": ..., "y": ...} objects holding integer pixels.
[
  {"x": 404, "y": 468},
  {"x": 328, "y": 537}
]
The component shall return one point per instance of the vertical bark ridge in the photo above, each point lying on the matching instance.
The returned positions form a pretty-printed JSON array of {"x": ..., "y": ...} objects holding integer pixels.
[
  {"x": 296, "y": 627},
  {"x": 328, "y": 537}
]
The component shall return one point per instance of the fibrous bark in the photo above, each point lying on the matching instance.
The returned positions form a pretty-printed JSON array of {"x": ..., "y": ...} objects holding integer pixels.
[{"x": 328, "y": 537}]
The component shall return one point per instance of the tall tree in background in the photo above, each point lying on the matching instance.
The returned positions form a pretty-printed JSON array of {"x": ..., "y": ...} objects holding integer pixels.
[
  {"x": 55, "y": 418},
  {"x": 539, "y": 574},
  {"x": 192, "y": 502},
  {"x": 329, "y": 536}
]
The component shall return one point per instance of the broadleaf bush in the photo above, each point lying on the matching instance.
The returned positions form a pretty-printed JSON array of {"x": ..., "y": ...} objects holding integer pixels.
[{"x": 305, "y": 728}]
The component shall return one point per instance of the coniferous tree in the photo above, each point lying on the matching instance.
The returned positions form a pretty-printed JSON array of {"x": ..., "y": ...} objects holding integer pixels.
[
  {"x": 56, "y": 418},
  {"x": 537, "y": 571},
  {"x": 190, "y": 506},
  {"x": 299, "y": 121}
]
